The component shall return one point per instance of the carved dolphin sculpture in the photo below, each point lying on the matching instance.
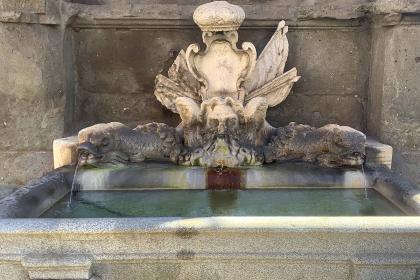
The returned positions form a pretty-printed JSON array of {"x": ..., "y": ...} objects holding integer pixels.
[
  {"x": 331, "y": 145},
  {"x": 117, "y": 143}
]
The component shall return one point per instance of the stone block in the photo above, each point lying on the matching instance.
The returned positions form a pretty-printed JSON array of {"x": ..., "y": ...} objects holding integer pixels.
[
  {"x": 27, "y": 6},
  {"x": 77, "y": 267},
  {"x": 64, "y": 150},
  {"x": 31, "y": 91},
  {"x": 394, "y": 117},
  {"x": 378, "y": 154},
  {"x": 32, "y": 98}
]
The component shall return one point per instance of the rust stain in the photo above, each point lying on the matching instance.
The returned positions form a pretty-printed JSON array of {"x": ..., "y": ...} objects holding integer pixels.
[{"x": 228, "y": 178}]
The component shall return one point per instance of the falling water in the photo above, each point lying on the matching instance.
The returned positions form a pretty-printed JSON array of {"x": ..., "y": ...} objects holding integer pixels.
[
  {"x": 365, "y": 182},
  {"x": 73, "y": 184},
  {"x": 219, "y": 169}
]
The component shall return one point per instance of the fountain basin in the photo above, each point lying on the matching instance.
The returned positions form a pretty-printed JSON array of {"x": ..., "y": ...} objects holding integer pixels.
[
  {"x": 211, "y": 248},
  {"x": 212, "y": 203},
  {"x": 39, "y": 196},
  {"x": 226, "y": 241}
]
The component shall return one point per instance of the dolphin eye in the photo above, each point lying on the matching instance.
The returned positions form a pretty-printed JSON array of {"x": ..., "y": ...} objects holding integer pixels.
[
  {"x": 213, "y": 123},
  {"x": 231, "y": 122},
  {"x": 105, "y": 142}
]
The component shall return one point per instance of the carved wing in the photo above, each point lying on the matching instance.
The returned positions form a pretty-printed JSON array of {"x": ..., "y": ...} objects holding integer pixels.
[
  {"x": 180, "y": 74},
  {"x": 271, "y": 61},
  {"x": 180, "y": 83},
  {"x": 276, "y": 90},
  {"x": 267, "y": 79}
]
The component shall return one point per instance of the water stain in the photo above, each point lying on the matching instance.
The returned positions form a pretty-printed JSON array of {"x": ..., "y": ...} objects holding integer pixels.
[
  {"x": 227, "y": 178},
  {"x": 186, "y": 233}
]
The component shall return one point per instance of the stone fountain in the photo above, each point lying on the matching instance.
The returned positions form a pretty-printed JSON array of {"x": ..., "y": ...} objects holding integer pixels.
[
  {"x": 222, "y": 94},
  {"x": 162, "y": 176}
]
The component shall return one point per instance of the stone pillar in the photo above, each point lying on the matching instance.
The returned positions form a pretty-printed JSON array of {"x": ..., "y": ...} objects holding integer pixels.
[
  {"x": 31, "y": 89},
  {"x": 394, "y": 100}
]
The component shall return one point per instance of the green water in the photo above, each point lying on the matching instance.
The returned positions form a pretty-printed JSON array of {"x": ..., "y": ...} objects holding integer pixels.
[{"x": 205, "y": 203}]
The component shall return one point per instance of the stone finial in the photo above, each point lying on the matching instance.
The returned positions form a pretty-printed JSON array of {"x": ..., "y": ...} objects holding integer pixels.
[{"x": 219, "y": 16}]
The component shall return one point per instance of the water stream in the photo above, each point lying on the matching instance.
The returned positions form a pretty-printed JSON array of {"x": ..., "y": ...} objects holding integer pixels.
[
  {"x": 219, "y": 169},
  {"x": 73, "y": 184},
  {"x": 365, "y": 182}
]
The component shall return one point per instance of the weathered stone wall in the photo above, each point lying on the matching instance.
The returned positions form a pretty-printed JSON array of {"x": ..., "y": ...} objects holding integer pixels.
[
  {"x": 72, "y": 63},
  {"x": 394, "y": 115},
  {"x": 31, "y": 99}
]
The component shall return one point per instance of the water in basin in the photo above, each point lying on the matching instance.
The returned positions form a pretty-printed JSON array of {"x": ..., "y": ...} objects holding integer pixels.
[{"x": 205, "y": 203}]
